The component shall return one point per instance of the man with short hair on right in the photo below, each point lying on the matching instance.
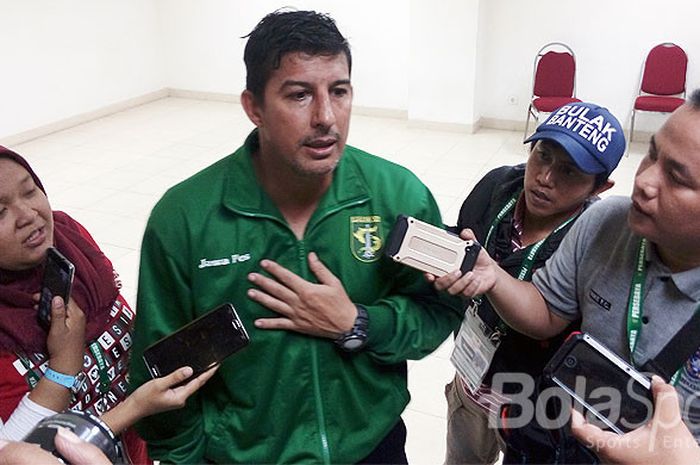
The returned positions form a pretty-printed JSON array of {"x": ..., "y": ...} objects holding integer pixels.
[{"x": 621, "y": 248}]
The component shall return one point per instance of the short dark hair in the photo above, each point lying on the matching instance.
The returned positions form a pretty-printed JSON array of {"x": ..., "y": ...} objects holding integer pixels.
[
  {"x": 282, "y": 32},
  {"x": 694, "y": 99}
]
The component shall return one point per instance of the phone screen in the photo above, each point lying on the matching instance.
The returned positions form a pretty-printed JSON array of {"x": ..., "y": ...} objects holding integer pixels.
[
  {"x": 57, "y": 281},
  {"x": 201, "y": 344},
  {"x": 616, "y": 395}
]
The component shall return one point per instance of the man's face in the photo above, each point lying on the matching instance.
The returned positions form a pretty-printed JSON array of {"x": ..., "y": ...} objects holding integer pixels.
[
  {"x": 666, "y": 195},
  {"x": 554, "y": 185},
  {"x": 304, "y": 117},
  {"x": 26, "y": 222}
]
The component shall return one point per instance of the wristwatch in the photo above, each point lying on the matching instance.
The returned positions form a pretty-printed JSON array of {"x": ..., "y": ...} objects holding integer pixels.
[
  {"x": 356, "y": 338},
  {"x": 74, "y": 383}
]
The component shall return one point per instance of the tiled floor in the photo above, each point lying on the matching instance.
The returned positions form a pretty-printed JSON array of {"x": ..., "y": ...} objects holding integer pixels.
[{"x": 109, "y": 173}]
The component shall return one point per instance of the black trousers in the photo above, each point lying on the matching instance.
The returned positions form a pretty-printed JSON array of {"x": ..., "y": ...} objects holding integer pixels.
[{"x": 392, "y": 449}]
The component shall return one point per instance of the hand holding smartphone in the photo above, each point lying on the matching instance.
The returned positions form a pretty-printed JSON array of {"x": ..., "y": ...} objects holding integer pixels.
[
  {"x": 616, "y": 394},
  {"x": 57, "y": 281},
  {"x": 200, "y": 344}
]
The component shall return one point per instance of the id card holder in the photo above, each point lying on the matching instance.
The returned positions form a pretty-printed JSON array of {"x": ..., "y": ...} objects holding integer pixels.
[{"x": 474, "y": 349}]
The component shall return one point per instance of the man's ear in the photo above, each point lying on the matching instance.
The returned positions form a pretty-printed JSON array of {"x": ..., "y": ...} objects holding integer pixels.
[
  {"x": 605, "y": 186},
  {"x": 252, "y": 108}
]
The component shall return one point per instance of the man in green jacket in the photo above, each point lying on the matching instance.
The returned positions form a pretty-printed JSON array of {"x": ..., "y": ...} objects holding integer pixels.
[{"x": 290, "y": 229}]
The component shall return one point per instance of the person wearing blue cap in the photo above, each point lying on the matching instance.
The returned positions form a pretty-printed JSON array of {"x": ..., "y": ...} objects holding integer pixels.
[
  {"x": 629, "y": 270},
  {"x": 520, "y": 214}
]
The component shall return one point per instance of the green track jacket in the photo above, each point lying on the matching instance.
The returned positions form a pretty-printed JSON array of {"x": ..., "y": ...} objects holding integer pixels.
[{"x": 287, "y": 397}]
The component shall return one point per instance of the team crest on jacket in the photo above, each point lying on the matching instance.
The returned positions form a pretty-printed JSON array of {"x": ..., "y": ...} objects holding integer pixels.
[{"x": 366, "y": 237}]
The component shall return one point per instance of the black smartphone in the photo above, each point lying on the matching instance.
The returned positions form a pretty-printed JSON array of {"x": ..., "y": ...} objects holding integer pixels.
[
  {"x": 616, "y": 395},
  {"x": 200, "y": 344},
  {"x": 57, "y": 281}
]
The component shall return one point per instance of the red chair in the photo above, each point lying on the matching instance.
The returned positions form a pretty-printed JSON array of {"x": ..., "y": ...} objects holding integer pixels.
[
  {"x": 662, "y": 87},
  {"x": 553, "y": 80}
]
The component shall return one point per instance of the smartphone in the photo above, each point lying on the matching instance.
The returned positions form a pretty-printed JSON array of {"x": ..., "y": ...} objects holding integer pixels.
[
  {"x": 616, "y": 395},
  {"x": 428, "y": 248},
  {"x": 200, "y": 344},
  {"x": 57, "y": 281}
]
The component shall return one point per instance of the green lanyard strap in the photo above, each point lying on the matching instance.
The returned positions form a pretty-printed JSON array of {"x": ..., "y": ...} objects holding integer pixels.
[
  {"x": 501, "y": 214},
  {"x": 533, "y": 249},
  {"x": 31, "y": 374},
  {"x": 635, "y": 301},
  {"x": 529, "y": 260},
  {"x": 96, "y": 351},
  {"x": 635, "y": 304}
]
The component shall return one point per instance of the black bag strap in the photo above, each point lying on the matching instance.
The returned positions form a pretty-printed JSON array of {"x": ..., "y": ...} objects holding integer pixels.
[{"x": 678, "y": 350}]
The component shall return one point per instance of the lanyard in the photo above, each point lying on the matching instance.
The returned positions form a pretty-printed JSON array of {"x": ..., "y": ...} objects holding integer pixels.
[
  {"x": 532, "y": 250},
  {"x": 96, "y": 351},
  {"x": 636, "y": 303},
  {"x": 529, "y": 261},
  {"x": 31, "y": 374}
]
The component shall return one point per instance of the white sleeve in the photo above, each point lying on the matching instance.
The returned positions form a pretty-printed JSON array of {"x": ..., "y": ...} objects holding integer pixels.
[{"x": 23, "y": 419}]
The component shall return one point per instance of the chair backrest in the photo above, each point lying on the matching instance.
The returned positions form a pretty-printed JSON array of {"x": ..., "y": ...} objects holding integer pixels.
[
  {"x": 555, "y": 72},
  {"x": 665, "y": 70}
]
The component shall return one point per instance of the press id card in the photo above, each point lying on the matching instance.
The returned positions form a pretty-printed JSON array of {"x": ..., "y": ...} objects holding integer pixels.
[{"x": 474, "y": 349}]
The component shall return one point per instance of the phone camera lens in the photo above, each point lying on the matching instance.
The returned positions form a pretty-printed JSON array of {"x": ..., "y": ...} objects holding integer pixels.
[{"x": 570, "y": 361}]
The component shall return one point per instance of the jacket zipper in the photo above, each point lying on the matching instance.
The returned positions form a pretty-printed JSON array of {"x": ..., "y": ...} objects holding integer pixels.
[
  {"x": 320, "y": 415},
  {"x": 325, "y": 448},
  {"x": 301, "y": 253}
]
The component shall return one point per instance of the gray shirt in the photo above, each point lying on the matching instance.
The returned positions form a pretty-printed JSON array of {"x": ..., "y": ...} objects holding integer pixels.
[{"x": 590, "y": 277}]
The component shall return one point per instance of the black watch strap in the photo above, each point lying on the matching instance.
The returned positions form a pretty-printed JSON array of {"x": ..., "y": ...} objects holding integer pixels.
[{"x": 356, "y": 338}]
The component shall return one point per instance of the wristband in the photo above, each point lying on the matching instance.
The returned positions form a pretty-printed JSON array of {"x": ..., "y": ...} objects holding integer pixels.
[{"x": 74, "y": 383}]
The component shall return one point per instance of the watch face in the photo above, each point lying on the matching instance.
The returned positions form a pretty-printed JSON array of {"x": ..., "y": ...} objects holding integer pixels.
[{"x": 353, "y": 344}]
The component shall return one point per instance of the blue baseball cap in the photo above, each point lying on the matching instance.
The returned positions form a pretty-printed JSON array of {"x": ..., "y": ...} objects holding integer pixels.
[{"x": 589, "y": 133}]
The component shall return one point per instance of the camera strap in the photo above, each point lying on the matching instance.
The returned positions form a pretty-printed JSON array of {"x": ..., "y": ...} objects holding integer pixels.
[{"x": 674, "y": 354}]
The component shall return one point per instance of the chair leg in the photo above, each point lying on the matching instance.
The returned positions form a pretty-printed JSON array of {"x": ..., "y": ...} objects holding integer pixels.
[
  {"x": 527, "y": 121},
  {"x": 632, "y": 128}
]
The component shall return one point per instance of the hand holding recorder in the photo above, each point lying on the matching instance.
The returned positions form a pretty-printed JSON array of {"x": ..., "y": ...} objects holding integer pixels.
[
  {"x": 428, "y": 248},
  {"x": 66, "y": 339},
  {"x": 446, "y": 258},
  {"x": 65, "y": 342},
  {"x": 60, "y": 316}
]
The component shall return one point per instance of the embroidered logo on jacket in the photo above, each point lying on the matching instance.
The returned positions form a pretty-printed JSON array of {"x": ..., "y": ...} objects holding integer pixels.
[{"x": 366, "y": 237}]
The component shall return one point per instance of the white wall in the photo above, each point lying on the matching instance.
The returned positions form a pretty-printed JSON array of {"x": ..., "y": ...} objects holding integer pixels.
[
  {"x": 450, "y": 61},
  {"x": 609, "y": 37},
  {"x": 443, "y": 59},
  {"x": 61, "y": 58},
  {"x": 203, "y": 48}
]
